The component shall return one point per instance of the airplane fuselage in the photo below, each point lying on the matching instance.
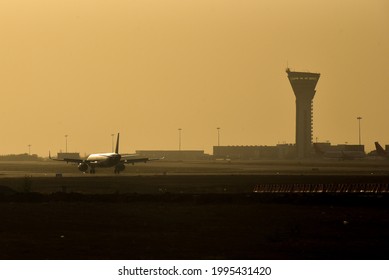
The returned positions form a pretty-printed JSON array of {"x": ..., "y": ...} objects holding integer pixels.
[{"x": 103, "y": 160}]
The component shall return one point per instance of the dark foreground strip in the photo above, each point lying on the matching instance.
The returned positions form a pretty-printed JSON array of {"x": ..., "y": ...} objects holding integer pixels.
[{"x": 308, "y": 198}]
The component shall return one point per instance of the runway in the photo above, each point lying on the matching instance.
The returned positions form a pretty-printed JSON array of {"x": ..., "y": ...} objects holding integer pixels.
[
  {"x": 206, "y": 167},
  {"x": 186, "y": 177},
  {"x": 191, "y": 210},
  {"x": 155, "y": 184}
]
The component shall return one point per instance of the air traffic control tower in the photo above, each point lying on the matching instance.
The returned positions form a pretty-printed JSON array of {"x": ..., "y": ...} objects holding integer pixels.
[{"x": 303, "y": 85}]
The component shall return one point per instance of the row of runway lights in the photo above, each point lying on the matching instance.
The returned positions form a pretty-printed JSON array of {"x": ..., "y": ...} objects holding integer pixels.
[{"x": 323, "y": 188}]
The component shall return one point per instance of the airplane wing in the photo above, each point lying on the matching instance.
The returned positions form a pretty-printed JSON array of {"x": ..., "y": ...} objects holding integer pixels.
[
  {"x": 75, "y": 160},
  {"x": 135, "y": 158},
  {"x": 70, "y": 160}
]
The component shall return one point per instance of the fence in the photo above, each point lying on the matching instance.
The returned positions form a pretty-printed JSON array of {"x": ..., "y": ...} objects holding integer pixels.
[{"x": 373, "y": 188}]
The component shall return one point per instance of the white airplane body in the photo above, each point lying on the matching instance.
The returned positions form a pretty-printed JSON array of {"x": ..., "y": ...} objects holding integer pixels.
[{"x": 105, "y": 160}]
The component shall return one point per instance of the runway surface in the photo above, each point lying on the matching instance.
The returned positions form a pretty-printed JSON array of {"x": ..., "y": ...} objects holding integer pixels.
[
  {"x": 186, "y": 177},
  {"x": 275, "y": 167}
]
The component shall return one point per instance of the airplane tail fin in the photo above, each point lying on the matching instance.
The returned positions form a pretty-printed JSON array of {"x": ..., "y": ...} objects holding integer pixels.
[
  {"x": 117, "y": 144},
  {"x": 380, "y": 150}
]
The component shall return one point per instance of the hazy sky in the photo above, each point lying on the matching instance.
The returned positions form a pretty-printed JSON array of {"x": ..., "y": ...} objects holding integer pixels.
[{"x": 90, "y": 68}]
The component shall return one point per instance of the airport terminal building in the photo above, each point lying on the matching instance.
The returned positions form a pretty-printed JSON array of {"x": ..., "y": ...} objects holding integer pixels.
[
  {"x": 281, "y": 151},
  {"x": 61, "y": 155}
]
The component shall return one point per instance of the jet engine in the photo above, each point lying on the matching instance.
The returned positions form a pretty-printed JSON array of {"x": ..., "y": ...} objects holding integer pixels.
[{"x": 83, "y": 167}]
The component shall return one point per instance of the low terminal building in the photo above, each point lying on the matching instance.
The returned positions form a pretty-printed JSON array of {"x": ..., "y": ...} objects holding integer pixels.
[
  {"x": 19, "y": 157},
  {"x": 327, "y": 147},
  {"x": 278, "y": 152},
  {"x": 348, "y": 148},
  {"x": 284, "y": 151},
  {"x": 281, "y": 151},
  {"x": 68, "y": 155},
  {"x": 174, "y": 154}
]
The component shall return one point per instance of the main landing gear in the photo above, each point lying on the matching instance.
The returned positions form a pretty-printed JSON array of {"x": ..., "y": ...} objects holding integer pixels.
[
  {"x": 119, "y": 168},
  {"x": 92, "y": 171}
]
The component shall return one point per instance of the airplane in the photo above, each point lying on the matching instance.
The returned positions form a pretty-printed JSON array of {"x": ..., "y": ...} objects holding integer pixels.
[
  {"x": 105, "y": 160},
  {"x": 341, "y": 155},
  {"x": 380, "y": 151}
]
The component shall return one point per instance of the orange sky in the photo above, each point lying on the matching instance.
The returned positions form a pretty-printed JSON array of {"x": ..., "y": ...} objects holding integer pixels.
[{"x": 90, "y": 68}]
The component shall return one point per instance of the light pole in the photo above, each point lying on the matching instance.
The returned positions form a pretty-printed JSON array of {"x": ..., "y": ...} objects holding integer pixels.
[
  {"x": 218, "y": 136},
  {"x": 179, "y": 139},
  {"x": 66, "y": 143},
  {"x": 359, "y": 129},
  {"x": 112, "y": 135},
  {"x": 29, "y": 149}
]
